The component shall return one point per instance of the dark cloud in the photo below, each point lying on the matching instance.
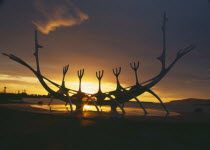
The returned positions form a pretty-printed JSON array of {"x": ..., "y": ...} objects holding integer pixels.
[
  {"x": 1, "y": 2},
  {"x": 201, "y": 79}
]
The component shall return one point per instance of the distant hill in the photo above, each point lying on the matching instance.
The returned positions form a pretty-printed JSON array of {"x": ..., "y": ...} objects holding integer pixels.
[
  {"x": 13, "y": 97},
  {"x": 193, "y": 101}
]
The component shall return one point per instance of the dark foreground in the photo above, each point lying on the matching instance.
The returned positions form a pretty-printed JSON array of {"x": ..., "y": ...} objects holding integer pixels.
[{"x": 26, "y": 130}]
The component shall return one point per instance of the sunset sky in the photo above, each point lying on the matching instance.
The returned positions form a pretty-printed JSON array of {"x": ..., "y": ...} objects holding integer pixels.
[{"x": 104, "y": 34}]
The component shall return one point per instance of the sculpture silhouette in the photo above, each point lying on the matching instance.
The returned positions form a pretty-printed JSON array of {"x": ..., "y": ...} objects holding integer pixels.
[
  {"x": 102, "y": 96},
  {"x": 5, "y": 90},
  {"x": 117, "y": 97},
  {"x": 63, "y": 90}
]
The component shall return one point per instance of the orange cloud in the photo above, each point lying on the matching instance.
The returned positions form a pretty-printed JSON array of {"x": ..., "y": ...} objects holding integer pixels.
[{"x": 56, "y": 14}]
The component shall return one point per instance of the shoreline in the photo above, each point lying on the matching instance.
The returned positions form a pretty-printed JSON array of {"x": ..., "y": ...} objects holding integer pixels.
[
  {"x": 28, "y": 130},
  {"x": 180, "y": 115}
]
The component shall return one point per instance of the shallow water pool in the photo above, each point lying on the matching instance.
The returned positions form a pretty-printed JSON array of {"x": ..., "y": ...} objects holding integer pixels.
[{"x": 130, "y": 111}]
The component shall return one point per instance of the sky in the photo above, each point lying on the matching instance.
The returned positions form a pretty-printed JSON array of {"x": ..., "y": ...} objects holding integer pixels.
[{"x": 102, "y": 35}]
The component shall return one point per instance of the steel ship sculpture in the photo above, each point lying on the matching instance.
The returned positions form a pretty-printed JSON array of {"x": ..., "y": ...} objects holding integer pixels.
[{"x": 118, "y": 97}]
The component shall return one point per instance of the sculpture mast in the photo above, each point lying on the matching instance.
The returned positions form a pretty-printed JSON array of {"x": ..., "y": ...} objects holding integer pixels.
[
  {"x": 36, "y": 54},
  {"x": 163, "y": 55}
]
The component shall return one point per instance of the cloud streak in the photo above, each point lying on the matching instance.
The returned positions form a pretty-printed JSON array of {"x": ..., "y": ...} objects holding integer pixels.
[
  {"x": 201, "y": 79},
  {"x": 55, "y": 14}
]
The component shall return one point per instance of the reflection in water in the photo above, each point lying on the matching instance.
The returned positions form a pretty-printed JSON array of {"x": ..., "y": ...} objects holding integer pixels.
[{"x": 91, "y": 110}]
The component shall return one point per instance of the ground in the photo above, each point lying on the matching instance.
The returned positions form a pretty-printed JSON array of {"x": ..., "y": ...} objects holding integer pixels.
[{"x": 26, "y": 130}]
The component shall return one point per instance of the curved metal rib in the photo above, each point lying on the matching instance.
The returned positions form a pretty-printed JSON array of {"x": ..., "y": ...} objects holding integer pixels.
[
  {"x": 109, "y": 96},
  {"x": 138, "y": 101},
  {"x": 70, "y": 102},
  {"x": 92, "y": 99},
  {"x": 153, "y": 93}
]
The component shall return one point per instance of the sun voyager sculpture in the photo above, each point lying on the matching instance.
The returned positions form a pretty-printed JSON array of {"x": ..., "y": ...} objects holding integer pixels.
[{"x": 118, "y": 97}]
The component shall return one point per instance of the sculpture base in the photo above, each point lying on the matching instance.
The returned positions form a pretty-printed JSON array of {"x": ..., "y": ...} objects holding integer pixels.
[{"x": 79, "y": 108}]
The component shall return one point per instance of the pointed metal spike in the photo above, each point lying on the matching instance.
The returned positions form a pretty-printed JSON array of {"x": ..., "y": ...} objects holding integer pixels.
[
  {"x": 83, "y": 72},
  {"x": 78, "y": 73},
  {"x": 138, "y": 65},
  {"x": 102, "y": 73},
  {"x": 119, "y": 70},
  {"x": 131, "y": 66},
  {"x": 96, "y": 74}
]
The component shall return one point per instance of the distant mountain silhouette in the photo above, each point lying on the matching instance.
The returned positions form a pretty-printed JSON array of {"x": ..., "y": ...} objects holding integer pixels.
[{"x": 194, "y": 101}]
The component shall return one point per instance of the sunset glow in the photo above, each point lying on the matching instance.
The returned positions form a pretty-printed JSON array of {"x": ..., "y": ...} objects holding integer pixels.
[
  {"x": 88, "y": 87},
  {"x": 94, "y": 40},
  {"x": 105, "y": 74},
  {"x": 18, "y": 84}
]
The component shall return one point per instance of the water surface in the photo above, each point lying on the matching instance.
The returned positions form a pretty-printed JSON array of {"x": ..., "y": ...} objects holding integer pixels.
[
  {"x": 131, "y": 108},
  {"x": 130, "y": 111}
]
